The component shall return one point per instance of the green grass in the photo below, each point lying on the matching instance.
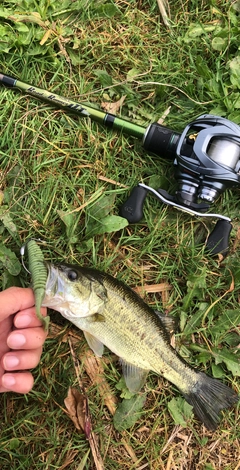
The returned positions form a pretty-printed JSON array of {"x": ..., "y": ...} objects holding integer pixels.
[{"x": 55, "y": 170}]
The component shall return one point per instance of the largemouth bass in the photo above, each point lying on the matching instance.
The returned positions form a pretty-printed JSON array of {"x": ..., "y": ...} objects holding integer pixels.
[{"x": 111, "y": 314}]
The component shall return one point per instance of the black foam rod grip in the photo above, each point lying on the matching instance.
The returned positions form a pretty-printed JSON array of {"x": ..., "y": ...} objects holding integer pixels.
[
  {"x": 132, "y": 209},
  {"x": 218, "y": 240},
  {"x": 161, "y": 141}
]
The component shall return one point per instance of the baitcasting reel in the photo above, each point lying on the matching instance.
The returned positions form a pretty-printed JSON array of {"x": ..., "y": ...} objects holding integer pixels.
[{"x": 207, "y": 162}]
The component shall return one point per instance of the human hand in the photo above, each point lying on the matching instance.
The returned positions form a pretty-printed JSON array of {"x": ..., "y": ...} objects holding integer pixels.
[{"x": 21, "y": 339}]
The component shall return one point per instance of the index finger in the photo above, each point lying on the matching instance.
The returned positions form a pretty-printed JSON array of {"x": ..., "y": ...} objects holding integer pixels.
[{"x": 14, "y": 299}]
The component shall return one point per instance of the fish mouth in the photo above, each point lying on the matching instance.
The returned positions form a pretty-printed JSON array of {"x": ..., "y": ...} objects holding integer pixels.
[{"x": 55, "y": 287}]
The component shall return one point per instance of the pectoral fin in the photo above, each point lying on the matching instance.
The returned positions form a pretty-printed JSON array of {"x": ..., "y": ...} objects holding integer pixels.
[
  {"x": 96, "y": 317},
  {"x": 134, "y": 376},
  {"x": 96, "y": 345}
]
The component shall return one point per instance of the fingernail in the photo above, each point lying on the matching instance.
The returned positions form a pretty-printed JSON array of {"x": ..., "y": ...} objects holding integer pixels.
[
  {"x": 8, "y": 381},
  {"x": 10, "y": 362},
  {"x": 16, "y": 340},
  {"x": 23, "y": 321}
]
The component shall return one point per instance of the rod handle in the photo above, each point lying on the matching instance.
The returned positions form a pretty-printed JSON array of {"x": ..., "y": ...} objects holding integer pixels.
[
  {"x": 218, "y": 240},
  {"x": 161, "y": 141},
  {"x": 132, "y": 209},
  {"x": 7, "y": 80}
]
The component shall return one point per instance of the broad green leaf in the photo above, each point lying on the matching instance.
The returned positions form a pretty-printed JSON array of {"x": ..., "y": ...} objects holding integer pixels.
[
  {"x": 75, "y": 56},
  {"x": 180, "y": 411},
  {"x": 193, "y": 323},
  {"x": 232, "y": 361},
  {"x": 70, "y": 221},
  {"x": 4, "y": 12},
  {"x": 85, "y": 245},
  {"x": 183, "y": 320},
  {"x": 196, "y": 30},
  {"x": 22, "y": 28},
  {"x": 9, "y": 260},
  {"x": 195, "y": 286},
  {"x": 204, "y": 357},
  {"x": 104, "y": 78},
  {"x": 159, "y": 181},
  {"x": 232, "y": 339},
  {"x": 110, "y": 223},
  {"x": 4, "y": 48},
  {"x": 14, "y": 443},
  {"x": 8, "y": 280},
  {"x": 108, "y": 9},
  {"x": 234, "y": 66},
  {"x": 125, "y": 393},
  {"x": 236, "y": 99},
  {"x": 98, "y": 219},
  {"x": 129, "y": 412},
  {"x": 32, "y": 17},
  {"x": 219, "y": 110},
  {"x": 227, "y": 320},
  {"x": 102, "y": 206},
  {"x": 132, "y": 74},
  {"x": 202, "y": 67},
  {"x": 4, "y": 30},
  {"x": 236, "y": 6},
  {"x": 66, "y": 217},
  {"x": 217, "y": 371},
  {"x": 219, "y": 44},
  {"x": 7, "y": 221},
  {"x": 195, "y": 320}
]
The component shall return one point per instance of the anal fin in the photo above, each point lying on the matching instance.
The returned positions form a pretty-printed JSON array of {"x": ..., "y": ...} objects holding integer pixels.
[
  {"x": 96, "y": 345},
  {"x": 134, "y": 376}
]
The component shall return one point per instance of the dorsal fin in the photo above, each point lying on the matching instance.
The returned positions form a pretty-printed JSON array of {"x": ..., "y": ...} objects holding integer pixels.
[{"x": 168, "y": 322}]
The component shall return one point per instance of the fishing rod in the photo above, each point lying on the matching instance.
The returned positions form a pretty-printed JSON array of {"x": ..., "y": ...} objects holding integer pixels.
[
  {"x": 166, "y": 138},
  {"x": 206, "y": 157}
]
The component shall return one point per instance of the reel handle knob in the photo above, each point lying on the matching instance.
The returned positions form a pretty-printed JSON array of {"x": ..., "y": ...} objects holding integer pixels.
[
  {"x": 132, "y": 209},
  {"x": 218, "y": 240}
]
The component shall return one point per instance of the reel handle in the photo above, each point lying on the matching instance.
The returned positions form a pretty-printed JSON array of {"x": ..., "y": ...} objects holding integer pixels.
[
  {"x": 218, "y": 240},
  {"x": 132, "y": 209}
]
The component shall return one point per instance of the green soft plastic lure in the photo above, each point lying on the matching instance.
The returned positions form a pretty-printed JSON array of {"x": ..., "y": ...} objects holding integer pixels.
[{"x": 38, "y": 271}]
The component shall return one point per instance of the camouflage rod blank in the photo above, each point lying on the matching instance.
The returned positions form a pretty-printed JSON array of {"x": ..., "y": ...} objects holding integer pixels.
[{"x": 82, "y": 110}]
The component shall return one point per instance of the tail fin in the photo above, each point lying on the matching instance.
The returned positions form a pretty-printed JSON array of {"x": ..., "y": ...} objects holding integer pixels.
[{"x": 208, "y": 398}]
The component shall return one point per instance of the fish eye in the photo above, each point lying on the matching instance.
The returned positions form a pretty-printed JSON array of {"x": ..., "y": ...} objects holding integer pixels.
[{"x": 72, "y": 275}]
